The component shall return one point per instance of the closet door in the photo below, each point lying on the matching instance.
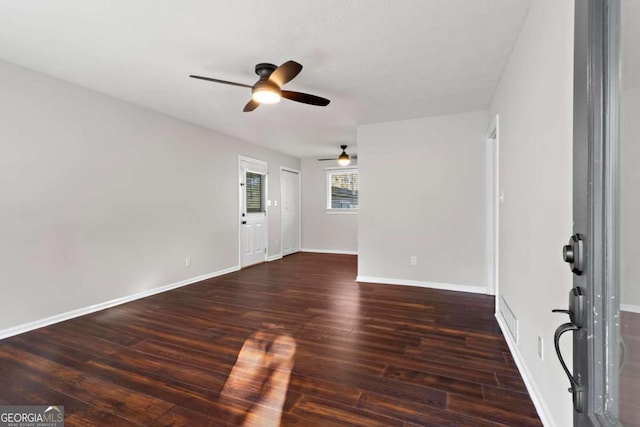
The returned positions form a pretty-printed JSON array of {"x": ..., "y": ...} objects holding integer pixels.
[{"x": 290, "y": 185}]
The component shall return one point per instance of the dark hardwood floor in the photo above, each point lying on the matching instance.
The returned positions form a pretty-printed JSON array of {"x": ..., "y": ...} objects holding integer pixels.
[
  {"x": 630, "y": 373},
  {"x": 366, "y": 354}
]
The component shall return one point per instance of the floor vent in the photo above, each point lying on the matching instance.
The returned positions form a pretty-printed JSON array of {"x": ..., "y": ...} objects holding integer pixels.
[{"x": 509, "y": 318}]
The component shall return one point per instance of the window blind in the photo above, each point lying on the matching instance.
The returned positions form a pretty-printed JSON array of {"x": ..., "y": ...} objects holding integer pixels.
[{"x": 254, "y": 192}]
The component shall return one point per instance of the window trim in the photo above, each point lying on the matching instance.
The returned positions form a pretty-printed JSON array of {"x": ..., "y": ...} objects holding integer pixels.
[{"x": 339, "y": 211}]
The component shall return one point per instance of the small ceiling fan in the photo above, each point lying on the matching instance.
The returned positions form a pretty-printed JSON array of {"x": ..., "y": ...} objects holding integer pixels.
[
  {"x": 343, "y": 159},
  {"x": 268, "y": 89}
]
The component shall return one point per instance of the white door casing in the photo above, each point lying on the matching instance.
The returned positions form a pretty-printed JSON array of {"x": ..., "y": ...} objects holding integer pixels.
[
  {"x": 493, "y": 199},
  {"x": 253, "y": 215},
  {"x": 290, "y": 210}
]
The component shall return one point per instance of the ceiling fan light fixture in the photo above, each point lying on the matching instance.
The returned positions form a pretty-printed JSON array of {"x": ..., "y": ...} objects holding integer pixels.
[
  {"x": 266, "y": 92},
  {"x": 344, "y": 159}
]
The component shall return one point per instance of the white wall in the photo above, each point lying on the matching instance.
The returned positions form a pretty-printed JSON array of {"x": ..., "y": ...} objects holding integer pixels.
[
  {"x": 322, "y": 231},
  {"x": 422, "y": 194},
  {"x": 102, "y": 199},
  {"x": 629, "y": 200},
  {"x": 535, "y": 102}
]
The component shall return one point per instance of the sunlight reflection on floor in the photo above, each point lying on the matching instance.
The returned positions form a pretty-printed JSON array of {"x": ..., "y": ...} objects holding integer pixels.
[{"x": 258, "y": 382}]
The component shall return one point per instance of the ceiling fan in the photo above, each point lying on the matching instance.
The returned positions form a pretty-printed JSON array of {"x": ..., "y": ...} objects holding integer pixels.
[
  {"x": 343, "y": 159},
  {"x": 268, "y": 89}
]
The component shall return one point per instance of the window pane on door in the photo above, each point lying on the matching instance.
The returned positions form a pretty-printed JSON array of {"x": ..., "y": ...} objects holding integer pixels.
[{"x": 254, "y": 192}]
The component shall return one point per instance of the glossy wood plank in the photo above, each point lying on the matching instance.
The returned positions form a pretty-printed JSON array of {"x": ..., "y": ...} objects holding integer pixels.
[
  {"x": 415, "y": 414},
  {"x": 366, "y": 355},
  {"x": 501, "y": 412}
]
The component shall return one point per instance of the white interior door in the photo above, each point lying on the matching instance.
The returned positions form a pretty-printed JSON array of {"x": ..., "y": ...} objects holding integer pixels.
[
  {"x": 253, "y": 211},
  {"x": 290, "y": 213}
]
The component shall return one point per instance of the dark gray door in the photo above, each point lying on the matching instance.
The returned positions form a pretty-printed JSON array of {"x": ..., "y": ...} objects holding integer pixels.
[
  {"x": 593, "y": 307},
  {"x": 604, "y": 250},
  {"x": 603, "y": 313}
]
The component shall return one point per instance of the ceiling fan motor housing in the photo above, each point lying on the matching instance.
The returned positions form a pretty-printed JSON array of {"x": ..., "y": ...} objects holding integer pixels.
[
  {"x": 265, "y": 69},
  {"x": 265, "y": 91}
]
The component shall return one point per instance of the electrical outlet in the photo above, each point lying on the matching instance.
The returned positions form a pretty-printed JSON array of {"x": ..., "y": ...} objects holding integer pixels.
[
  {"x": 187, "y": 261},
  {"x": 414, "y": 260},
  {"x": 540, "y": 348}
]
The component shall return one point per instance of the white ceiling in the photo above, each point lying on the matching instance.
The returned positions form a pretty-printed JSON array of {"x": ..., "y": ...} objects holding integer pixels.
[{"x": 377, "y": 60}]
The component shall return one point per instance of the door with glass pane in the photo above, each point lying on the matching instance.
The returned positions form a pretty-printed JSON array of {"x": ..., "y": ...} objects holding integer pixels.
[{"x": 253, "y": 211}]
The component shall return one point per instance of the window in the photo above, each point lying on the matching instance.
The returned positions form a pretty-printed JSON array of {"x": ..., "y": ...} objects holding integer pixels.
[
  {"x": 254, "y": 192},
  {"x": 342, "y": 190}
]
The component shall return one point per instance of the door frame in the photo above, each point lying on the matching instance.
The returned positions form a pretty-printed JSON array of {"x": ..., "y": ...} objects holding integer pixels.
[
  {"x": 286, "y": 169},
  {"x": 595, "y": 142},
  {"x": 492, "y": 202},
  {"x": 241, "y": 202}
]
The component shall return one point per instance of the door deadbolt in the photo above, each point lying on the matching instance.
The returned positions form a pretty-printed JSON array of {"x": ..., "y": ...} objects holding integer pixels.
[{"x": 573, "y": 254}]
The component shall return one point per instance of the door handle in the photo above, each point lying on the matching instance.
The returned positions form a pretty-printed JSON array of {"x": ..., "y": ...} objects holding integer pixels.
[
  {"x": 244, "y": 222},
  {"x": 576, "y": 321},
  {"x": 576, "y": 388}
]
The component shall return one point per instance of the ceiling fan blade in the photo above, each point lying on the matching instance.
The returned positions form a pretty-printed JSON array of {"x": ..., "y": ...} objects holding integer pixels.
[
  {"x": 251, "y": 105},
  {"x": 305, "y": 98},
  {"x": 220, "y": 81},
  {"x": 285, "y": 73}
]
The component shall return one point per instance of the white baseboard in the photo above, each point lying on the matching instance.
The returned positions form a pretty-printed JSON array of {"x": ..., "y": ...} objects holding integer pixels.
[
  {"x": 274, "y": 257},
  {"x": 26, "y": 327},
  {"x": 329, "y": 251},
  {"x": 629, "y": 307},
  {"x": 433, "y": 285},
  {"x": 532, "y": 388}
]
